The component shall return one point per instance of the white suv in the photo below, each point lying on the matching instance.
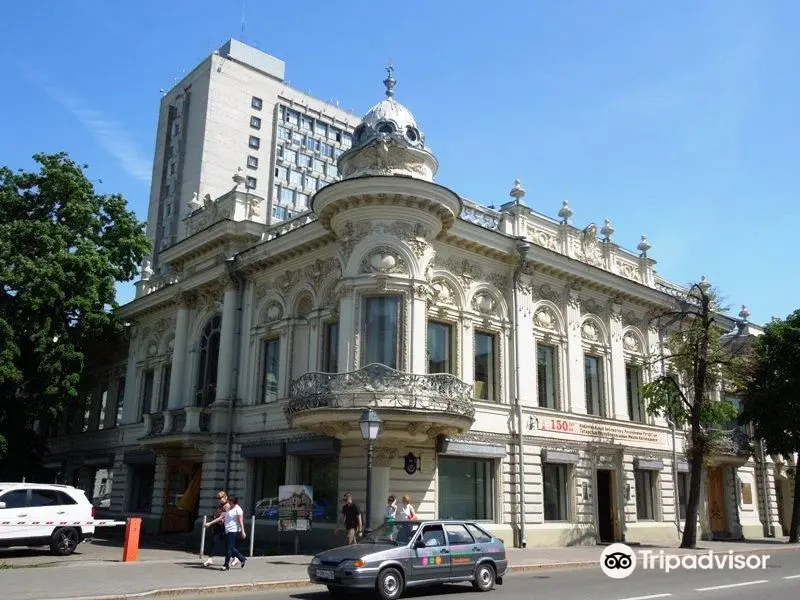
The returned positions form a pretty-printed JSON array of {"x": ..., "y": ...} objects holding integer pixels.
[{"x": 40, "y": 514}]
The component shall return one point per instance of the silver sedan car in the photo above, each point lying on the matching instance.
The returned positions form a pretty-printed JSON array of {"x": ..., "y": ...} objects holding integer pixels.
[{"x": 416, "y": 553}]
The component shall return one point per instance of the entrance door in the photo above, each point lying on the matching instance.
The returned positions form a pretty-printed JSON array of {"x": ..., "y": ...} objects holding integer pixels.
[
  {"x": 605, "y": 505},
  {"x": 717, "y": 520}
]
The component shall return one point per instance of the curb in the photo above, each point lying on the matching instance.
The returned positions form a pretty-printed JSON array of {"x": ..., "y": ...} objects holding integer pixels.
[{"x": 265, "y": 586}]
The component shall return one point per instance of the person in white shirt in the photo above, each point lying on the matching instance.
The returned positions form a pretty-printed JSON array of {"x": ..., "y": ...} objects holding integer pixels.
[
  {"x": 406, "y": 512},
  {"x": 233, "y": 519},
  {"x": 389, "y": 516}
]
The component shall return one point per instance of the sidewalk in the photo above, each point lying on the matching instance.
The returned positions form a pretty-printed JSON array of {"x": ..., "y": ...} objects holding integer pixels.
[{"x": 172, "y": 575}]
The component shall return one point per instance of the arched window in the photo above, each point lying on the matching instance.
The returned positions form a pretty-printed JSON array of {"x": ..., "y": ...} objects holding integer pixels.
[{"x": 209, "y": 357}]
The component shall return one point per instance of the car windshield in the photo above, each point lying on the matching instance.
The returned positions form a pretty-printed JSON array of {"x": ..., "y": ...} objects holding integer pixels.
[{"x": 400, "y": 534}]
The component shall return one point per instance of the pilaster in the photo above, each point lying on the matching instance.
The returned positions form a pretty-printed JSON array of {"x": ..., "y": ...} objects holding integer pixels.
[
  {"x": 576, "y": 401},
  {"x": 619, "y": 396},
  {"x": 130, "y": 407},
  {"x": 226, "y": 366},
  {"x": 179, "y": 351}
]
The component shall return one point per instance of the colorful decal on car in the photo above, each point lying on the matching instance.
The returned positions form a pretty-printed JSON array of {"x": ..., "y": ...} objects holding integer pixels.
[
  {"x": 461, "y": 560},
  {"x": 493, "y": 549}
]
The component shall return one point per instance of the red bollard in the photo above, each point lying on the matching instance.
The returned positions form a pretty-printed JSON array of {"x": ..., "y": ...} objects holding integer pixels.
[{"x": 130, "y": 548}]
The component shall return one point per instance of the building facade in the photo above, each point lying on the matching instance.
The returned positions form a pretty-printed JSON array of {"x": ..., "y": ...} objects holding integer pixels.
[
  {"x": 235, "y": 121},
  {"x": 503, "y": 350}
]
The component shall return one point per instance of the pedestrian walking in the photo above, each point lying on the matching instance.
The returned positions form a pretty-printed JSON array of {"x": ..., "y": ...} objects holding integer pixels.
[
  {"x": 218, "y": 530},
  {"x": 389, "y": 516},
  {"x": 351, "y": 519},
  {"x": 233, "y": 520},
  {"x": 406, "y": 512}
]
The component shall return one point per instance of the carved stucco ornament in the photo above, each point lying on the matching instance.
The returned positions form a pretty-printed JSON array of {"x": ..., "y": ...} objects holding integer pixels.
[
  {"x": 544, "y": 318},
  {"x": 383, "y": 260},
  {"x": 483, "y": 303},
  {"x": 589, "y": 332}
]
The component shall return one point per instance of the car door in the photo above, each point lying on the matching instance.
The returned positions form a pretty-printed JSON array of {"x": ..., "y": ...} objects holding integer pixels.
[
  {"x": 46, "y": 506},
  {"x": 16, "y": 509},
  {"x": 464, "y": 551},
  {"x": 430, "y": 556}
]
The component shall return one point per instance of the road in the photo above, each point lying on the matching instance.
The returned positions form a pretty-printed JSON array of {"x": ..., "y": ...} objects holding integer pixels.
[{"x": 779, "y": 581}]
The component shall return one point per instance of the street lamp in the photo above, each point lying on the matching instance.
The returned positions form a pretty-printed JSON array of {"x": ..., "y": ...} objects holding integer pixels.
[{"x": 370, "y": 424}]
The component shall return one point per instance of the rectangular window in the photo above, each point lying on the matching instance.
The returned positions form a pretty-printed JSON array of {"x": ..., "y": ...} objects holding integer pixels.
[
  {"x": 333, "y": 171},
  {"x": 120, "y": 400},
  {"x": 142, "y": 480},
  {"x": 101, "y": 421},
  {"x": 256, "y": 103},
  {"x": 594, "y": 397},
  {"x": 252, "y": 162},
  {"x": 645, "y": 494},
  {"x": 295, "y": 177},
  {"x": 484, "y": 366},
  {"x": 555, "y": 491},
  {"x": 326, "y": 149},
  {"x": 321, "y": 129},
  {"x": 330, "y": 360},
  {"x": 279, "y": 212},
  {"x": 633, "y": 383},
  {"x": 335, "y": 134},
  {"x": 319, "y": 166},
  {"x": 310, "y": 183},
  {"x": 546, "y": 375},
  {"x": 147, "y": 391},
  {"x": 440, "y": 337},
  {"x": 683, "y": 494},
  {"x": 301, "y": 201},
  {"x": 286, "y": 196},
  {"x": 381, "y": 320},
  {"x": 268, "y": 475},
  {"x": 304, "y": 160},
  {"x": 255, "y": 122},
  {"x": 270, "y": 370},
  {"x": 254, "y": 143},
  {"x": 311, "y": 144},
  {"x": 290, "y": 156},
  {"x": 306, "y": 123},
  {"x": 283, "y": 133},
  {"x": 322, "y": 474},
  {"x": 465, "y": 488},
  {"x": 292, "y": 117},
  {"x": 252, "y": 182},
  {"x": 166, "y": 374},
  {"x": 281, "y": 173},
  {"x": 347, "y": 140}
]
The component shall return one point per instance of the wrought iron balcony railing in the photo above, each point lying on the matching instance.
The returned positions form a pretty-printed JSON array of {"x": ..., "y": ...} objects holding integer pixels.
[
  {"x": 735, "y": 442},
  {"x": 379, "y": 385}
]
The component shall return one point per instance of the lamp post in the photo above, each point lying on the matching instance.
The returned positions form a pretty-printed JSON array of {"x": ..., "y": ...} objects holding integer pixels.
[{"x": 370, "y": 424}]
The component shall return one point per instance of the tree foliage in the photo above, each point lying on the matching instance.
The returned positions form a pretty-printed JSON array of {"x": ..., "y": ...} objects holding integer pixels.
[
  {"x": 63, "y": 248},
  {"x": 772, "y": 396},
  {"x": 698, "y": 355}
]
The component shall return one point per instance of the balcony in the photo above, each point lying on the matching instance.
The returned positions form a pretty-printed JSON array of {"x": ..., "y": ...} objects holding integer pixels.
[
  {"x": 413, "y": 407},
  {"x": 731, "y": 447},
  {"x": 176, "y": 427}
]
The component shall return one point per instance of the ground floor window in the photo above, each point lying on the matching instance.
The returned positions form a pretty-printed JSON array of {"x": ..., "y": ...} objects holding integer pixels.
[
  {"x": 322, "y": 474},
  {"x": 142, "y": 478},
  {"x": 465, "y": 488},
  {"x": 645, "y": 494},
  {"x": 268, "y": 475},
  {"x": 555, "y": 491},
  {"x": 683, "y": 493}
]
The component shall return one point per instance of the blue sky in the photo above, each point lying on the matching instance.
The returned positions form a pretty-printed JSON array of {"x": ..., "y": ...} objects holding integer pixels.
[{"x": 675, "y": 119}]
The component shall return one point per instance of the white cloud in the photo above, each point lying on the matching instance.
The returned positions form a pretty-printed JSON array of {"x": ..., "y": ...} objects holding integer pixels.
[{"x": 110, "y": 133}]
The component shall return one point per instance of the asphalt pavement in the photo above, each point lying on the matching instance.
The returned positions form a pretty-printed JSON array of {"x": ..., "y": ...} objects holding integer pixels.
[{"x": 780, "y": 580}]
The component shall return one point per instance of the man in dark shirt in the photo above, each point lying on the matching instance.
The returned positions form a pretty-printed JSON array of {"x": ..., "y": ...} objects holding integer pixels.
[{"x": 351, "y": 519}]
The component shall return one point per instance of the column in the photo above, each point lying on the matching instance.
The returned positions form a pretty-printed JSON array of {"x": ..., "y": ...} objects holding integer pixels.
[
  {"x": 176, "y": 391},
  {"x": 130, "y": 401},
  {"x": 292, "y": 476},
  {"x": 576, "y": 397},
  {"x": 227, "y": 336},
  {"x": 528, "y": 391},
  {"x": 381, "y": 478},
  {"x": 347, "y": 330},
  {"x": 419, "y": 334},
  {"x": 618, "y": 404}
]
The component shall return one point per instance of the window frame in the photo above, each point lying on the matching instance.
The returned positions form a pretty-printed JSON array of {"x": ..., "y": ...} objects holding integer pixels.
[
  {"x": 256, "y": 103},
  {"x": 252, "y": 162},
  {"x": 635, "y": 404},
  {"x": 330, "y": 354},
  {"x": 202, "y": 388},
  {"x": 365, "y": 337},
  {"x": 649, "y": 498},
  {"x": 565, "y": 504},
  {"x": 452, "y": 367},
  {"x": 555, "y": 375},
  {"x": 601, "y": 400},
  {"x": 493, "y": 387},
  {"x": 254, "y": 142},
  {"x": 255, "y": 122},
  {"x": 264, "y": 343},
  {"x": 489, "y": 489}
]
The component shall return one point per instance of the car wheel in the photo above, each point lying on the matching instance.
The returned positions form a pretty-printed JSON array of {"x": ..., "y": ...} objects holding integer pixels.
[
  {"x": 484, "y": 578},
  {"x": 389, "y": 584},
  {"x": 64, "y": 541}
]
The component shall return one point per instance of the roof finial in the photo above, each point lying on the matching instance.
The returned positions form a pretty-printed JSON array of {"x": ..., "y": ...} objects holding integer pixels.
[{"x": 389, "y": 81}]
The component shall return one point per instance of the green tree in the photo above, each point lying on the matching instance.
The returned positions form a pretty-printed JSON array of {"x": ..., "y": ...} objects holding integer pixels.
[
  {"x": 63, "y": 247},
  {"x": 700, "y": 356},
  {"x": 772, "y": 397}
]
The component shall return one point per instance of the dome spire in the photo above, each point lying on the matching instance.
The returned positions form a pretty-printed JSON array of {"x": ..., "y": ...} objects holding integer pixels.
[{"x": 389, "y": 82}]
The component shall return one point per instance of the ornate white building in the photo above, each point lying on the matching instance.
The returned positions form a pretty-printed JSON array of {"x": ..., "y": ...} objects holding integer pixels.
[{"x": 468, "y": 330}]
